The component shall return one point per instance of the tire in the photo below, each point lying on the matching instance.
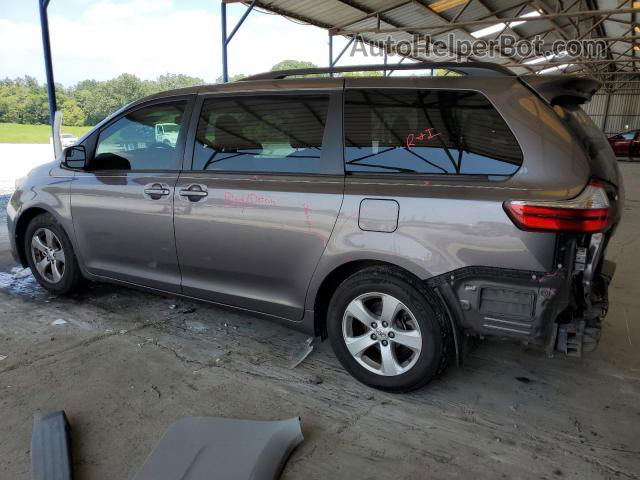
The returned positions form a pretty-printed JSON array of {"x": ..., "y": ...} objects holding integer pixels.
[
  {"x": 66, "y": 277},
  {"x": 418, "y": 321}
]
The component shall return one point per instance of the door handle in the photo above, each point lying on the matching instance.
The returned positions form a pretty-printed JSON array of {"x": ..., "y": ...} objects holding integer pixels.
[
  {"x": 156, "y": 191},
  {"x": 194, "y": 192}
]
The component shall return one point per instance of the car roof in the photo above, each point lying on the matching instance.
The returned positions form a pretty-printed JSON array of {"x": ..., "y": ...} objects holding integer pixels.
[{"x": 316, "y": 83}]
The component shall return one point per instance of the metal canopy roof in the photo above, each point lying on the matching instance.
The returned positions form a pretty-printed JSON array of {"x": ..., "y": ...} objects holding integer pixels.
[{"x": 613, "y": 21}]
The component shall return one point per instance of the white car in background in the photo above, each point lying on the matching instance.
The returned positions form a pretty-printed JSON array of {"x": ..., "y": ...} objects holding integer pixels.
[
  {"x": 68, "y": 139},
  {"x": 167, "y": 133}
]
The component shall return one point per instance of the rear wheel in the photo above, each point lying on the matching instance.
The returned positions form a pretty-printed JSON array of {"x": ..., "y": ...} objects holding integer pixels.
[
  {"x": 386, "y": 331},
  {"x": 50, "y": 256}
]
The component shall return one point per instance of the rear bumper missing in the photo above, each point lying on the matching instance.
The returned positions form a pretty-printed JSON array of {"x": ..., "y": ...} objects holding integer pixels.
[
  {"x": 553, "y": 310},
  {"x": 507, "y": 303}
]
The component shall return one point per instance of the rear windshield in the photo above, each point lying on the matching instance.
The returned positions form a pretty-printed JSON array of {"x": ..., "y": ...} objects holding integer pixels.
[
  {"x": 438, "y": 132},
  {"x": 592, "y": 140}
]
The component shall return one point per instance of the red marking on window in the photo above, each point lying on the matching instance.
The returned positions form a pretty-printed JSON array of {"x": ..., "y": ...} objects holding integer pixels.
[
  {"x": 426, "y": 183},
  {"x": 431, "y": 134},
  {"x": 410, "y": 143},
  {"x": 424, "y": 135}
]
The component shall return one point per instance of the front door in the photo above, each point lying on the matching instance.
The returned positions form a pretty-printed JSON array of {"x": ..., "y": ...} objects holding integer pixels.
[
  {"x": 122, "y": 206},
  {"x": 254, "y": 214}
]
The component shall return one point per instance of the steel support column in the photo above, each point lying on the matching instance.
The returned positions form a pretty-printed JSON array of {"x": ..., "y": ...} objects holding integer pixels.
[
  {"x": 226, "y": 39},
  {"x": 384, "y": 73},
  {"x": 401, "y": 60},
  {"x": 48, "y": 64},
  {"x": 332, "y": 62},
  {"x": 606, "y": 112}
]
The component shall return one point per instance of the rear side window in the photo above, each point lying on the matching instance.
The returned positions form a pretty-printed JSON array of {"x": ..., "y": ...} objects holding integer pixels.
[
  {"x": 277, "y": 133},
  {"x": 442, "y": 132}
]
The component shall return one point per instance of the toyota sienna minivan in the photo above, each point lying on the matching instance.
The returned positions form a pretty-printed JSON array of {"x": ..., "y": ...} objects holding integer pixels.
[{"x": 399, "y": 217}]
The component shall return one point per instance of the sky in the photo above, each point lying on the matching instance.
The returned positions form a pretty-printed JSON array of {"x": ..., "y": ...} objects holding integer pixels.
[{"x": 100, "y": 39}]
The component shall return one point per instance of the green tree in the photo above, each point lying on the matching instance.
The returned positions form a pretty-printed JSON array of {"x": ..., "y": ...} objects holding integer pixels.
[
  {"x": 72, "y": 114},
  {"x": 233, "y": 78},
  {"x": 376, "y": 73},
  {"x": 170, "y": 81},
  {"x": 23, "y": 100},
  {"x": 292, "y": 64}
]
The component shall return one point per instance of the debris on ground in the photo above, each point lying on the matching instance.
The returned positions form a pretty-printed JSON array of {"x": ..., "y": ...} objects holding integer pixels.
[
  {"x": 173, "y": 306},
  {"x": 2, "y": 357},
  {"x": 195, "y": 326},
  {"x": 59, "y": 321},
  {"x": 19, "y": 272},
  {"x": 122, "y": 332},
  {"x": 524, "y": 380},
  {"x": 313, "y": 380},
  {"x": 188, "y": 310},
  {"x": 256, "y": 359},
  {"x": 156, "y": 389},
  {"x": 304, "y": 352}
]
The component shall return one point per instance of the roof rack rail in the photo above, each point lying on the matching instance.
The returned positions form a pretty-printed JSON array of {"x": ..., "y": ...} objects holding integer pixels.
[{"x": 467, "y": 68}]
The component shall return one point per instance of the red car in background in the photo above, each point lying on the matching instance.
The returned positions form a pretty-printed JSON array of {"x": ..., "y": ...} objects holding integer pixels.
[{"x": 626, "y": 144}]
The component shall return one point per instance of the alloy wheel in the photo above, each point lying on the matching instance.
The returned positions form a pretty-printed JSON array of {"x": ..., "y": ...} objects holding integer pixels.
[
  {"x": 381, "y": 334},
  {"x": 48, "y": 255}
]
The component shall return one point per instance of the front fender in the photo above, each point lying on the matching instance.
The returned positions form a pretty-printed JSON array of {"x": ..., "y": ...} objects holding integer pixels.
[{"x": 47, "y": 189}]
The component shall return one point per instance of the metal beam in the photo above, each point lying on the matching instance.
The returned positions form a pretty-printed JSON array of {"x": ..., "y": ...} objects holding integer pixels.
[
  {"x": 351, "y": 40},
  {"x": 372, "y": 14},
  {"x": 330, "y": 55},
  {"x": 506, "y": 26},
  {"x": 48, "y": 64},
  {"x": 550, "y": 16},
  {"x": 606, "y": 112},
  {"x": 226, "y": 39},
  {"x": 570, "y": 62},
  {"x": 223, "y": 28},
  {"x": 399, "y": 63}
]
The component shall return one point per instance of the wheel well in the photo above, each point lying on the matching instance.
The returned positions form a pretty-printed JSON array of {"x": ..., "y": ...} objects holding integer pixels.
[
  {"x": 331, "y": 283},
  {"x": 21, "y": 229}
]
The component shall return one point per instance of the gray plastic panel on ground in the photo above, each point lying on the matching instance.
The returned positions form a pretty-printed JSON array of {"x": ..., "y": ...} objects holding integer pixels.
[
  {"x": 199, "y": 448},
  {"x": 50, "y": 448}
]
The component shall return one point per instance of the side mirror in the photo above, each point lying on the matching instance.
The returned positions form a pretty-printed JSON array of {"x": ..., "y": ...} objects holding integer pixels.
[{"x": 75, "y": 157}]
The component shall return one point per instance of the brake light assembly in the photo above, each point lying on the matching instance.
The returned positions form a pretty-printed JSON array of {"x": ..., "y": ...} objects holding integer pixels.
[{"x": 589, "y": 212}]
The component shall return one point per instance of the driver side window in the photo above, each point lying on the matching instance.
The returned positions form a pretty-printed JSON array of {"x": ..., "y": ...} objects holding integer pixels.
[{"x": 144, "y": 139}]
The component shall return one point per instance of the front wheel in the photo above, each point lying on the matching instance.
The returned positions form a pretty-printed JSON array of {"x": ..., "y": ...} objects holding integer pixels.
[
  {"x": 50, "y": 256},
  {"x": 386, "y": 331}
]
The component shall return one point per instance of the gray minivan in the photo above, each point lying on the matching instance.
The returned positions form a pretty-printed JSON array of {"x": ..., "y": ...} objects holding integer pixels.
[{"x": 400, "y": 217}]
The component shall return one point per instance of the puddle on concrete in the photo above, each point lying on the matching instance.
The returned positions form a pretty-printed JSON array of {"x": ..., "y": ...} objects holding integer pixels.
[{"x": 19, "y": 282}]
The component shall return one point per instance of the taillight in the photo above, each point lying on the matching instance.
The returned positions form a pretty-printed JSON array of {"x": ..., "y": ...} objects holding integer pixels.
[{"x": 587, "y": 213}]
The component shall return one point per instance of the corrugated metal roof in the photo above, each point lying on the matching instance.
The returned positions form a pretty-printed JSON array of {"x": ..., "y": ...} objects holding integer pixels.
[{"x": 404, "y": 16}]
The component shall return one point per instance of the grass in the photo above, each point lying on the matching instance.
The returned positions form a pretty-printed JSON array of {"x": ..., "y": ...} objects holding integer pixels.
[{"x": 16, "y": 133}]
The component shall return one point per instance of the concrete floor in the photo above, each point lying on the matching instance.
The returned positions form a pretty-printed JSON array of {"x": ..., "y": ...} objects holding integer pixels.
[{"x": 126, "y": 365}]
